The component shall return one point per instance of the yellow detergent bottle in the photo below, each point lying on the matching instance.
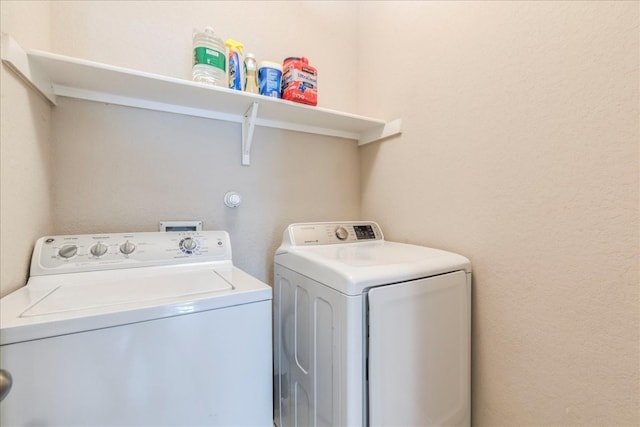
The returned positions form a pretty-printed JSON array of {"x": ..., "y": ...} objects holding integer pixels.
[{"x": 236, "y": 64}]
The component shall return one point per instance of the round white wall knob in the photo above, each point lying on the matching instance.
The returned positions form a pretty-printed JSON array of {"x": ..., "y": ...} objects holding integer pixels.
[{"x": 232, "y": 199}]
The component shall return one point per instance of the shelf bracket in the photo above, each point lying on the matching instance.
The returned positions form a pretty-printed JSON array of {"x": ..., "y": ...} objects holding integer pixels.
[
  {"x": 248, "y": 124},
  {"x": 387, "y": 130},
  {"x": 17, "y": 60}
]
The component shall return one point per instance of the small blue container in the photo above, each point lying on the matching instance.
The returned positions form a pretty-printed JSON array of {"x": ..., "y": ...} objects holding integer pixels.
[{"x": 270, "y": 78}]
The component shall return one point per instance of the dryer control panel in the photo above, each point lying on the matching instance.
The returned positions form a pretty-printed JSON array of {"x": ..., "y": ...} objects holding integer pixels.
[
  {"x": 329, "y": 233},
  {"x": 90, "y": 252}
]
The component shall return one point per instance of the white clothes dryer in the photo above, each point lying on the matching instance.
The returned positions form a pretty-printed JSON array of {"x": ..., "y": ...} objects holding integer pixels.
[
  {"x": 369, "y": 332},
  {"x": 137, "y": 329}
]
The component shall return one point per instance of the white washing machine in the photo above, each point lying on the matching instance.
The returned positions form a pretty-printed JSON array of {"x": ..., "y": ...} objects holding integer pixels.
[
  {"x": 369, "y": 332},
  {"x": 137, "y": 329}
]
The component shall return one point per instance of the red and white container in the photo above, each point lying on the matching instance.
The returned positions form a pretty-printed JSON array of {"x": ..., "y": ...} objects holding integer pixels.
[{"x": 299, "y": 81}]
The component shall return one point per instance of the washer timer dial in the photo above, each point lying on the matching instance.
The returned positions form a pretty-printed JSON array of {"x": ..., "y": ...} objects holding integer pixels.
[
  {"x": 188, "y": 245},
  {"x": 127, "y": 248},
  {"x": 67, "y": 251},
  {"x": 99, "y": 249}
]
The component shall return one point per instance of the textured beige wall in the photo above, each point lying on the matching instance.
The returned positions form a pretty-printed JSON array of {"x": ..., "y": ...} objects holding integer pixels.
[
  {"x": 520, "y": 151},
  {"x": 157, "y": 36},
  {"x": 293, "y": 177},
  {"x": 25, "y": 201},
  {"x": 118, "y": 169}
]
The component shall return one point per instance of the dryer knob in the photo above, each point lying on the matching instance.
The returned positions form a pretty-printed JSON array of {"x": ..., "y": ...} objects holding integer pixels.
[
  {"x": 67, "y": 251},
  {"x": 127, "y": 248},
  {"x": 99, "y": 249},
  {"x": 342, "y": 233}
]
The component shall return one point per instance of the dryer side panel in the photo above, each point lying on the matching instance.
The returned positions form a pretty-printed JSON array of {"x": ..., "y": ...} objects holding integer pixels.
[
  {"x": 318, "y": 348},
  {"x": 419, "y": 352}
]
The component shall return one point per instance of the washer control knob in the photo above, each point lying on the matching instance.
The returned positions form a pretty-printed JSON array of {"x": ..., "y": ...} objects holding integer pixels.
[
  {"x": 188, "y": 244},
  {"x": 98, "y": 249},
  {"x": 127, "y": 248},
  {"x": 67, "y": 251},
  {"x": 342, "y": 233}
]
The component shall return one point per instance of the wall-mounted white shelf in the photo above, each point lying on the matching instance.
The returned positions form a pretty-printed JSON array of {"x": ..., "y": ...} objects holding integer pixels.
[{"x": 56, "y": 75}]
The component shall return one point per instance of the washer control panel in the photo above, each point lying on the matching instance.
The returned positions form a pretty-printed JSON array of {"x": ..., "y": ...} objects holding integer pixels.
[
  {"x": 327, "y": 233},
  {"x": 89, "y": 252}
]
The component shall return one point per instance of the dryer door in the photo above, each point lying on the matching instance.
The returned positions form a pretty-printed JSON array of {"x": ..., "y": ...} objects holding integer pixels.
[{"x": 419, "y": 352}]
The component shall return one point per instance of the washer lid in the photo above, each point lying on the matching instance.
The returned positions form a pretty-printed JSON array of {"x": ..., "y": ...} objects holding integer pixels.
[
  {"x": 352, "y": 268},
  {"x": 67, "y": 303},
  {"x": 77, "y": 297}
]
